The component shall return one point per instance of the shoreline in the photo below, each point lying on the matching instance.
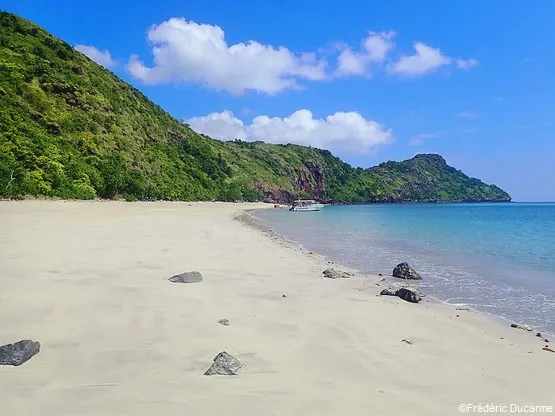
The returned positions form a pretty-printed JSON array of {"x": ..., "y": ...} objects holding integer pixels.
[
  {"x": 90, "y": 282},
  {"x": 428, "y": 284},
  {"x": 259, "y": 225},
  {"x": 331, "y": 203}
]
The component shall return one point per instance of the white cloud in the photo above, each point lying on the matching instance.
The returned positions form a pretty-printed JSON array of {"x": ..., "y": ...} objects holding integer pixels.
[
  {"x": 467, "y": 63},
  {"x": 103, "y": 58},
  {"x": 374, "y": 49},
  {"x": 420, "y": 139},
  {"x": 347, "y": 132},
  {"x": 185, "y": 51},
  {"x": 466, "y": 114},
  {"x": 188, "y": 52},
  {"x": 425, "y": 60},
  {"x": 221, "y": 126}
]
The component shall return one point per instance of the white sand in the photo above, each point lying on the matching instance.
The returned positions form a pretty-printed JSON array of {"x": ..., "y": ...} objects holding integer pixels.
[{"x": 89, "y": 281}]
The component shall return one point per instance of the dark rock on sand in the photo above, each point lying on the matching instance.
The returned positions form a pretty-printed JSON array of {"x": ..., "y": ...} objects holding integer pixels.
[
  {"x": 388, "y": 292},
  {"x": 224, "y": 364},
  {"x": 404, "y": 271},
  {"x": 336, "y": 274},
  {"x": 539, "y": 334},
  {"x": 19, "y": 352},
  {"x": 524, "y": 327},
  {"x": 187, "y": 277},
  {"x": 408, "y": 294},
  {"x": 407, "y": 341},
  {"x": 224, "y": 322}
]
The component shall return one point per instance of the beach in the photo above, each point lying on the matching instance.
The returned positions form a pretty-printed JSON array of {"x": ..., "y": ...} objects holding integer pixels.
[{"x": 89, "y": 281}]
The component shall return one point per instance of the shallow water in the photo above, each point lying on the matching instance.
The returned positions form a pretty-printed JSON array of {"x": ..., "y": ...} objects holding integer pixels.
[{"x": 497, "y": 258}]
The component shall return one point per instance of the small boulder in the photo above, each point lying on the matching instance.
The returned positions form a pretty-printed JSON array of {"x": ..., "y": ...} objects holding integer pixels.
[
  {"x": 408, "y": 294},
  {"x": 388, "y": 292},
  {"x": 224, "y": 322},
  {"x": 524, "y": 327},
  {"x": 187, "y": 277},
  {"x": 19, "y": 352},
  {"x": 336, "y": 274},
  {"x": 224, "y": 364},
  {"x": 407, "y": 341},
  {"x": 404, "y": 271}
]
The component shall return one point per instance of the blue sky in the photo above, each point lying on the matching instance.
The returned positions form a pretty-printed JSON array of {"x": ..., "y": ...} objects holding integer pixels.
[{"x": 479, "y": 88}]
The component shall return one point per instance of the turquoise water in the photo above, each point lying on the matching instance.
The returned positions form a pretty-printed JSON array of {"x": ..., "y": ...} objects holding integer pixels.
[{"x": 497, "y": 258}]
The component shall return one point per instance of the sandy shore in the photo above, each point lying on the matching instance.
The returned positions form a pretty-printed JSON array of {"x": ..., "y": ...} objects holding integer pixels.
[{"x": 89, "y": 281}]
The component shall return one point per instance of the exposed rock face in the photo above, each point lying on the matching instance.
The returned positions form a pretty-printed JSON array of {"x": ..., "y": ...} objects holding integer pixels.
[
  {"x": 224, "y": 364},
  {"x": 313, "y": 180},
  {"x": 273, "y": 194},
  {"x": 308, "y": 178},
  {"x": 19, "y": 352},
  {"x": 408, "y": 294},
  {"x": 404, "y": 271},
  {"x": 187, "y": 277},
  {"x": 336, "y": 274}
]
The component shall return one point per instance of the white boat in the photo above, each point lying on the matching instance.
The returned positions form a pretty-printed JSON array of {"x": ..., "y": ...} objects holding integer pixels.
[{"x": 306, "y": 205}]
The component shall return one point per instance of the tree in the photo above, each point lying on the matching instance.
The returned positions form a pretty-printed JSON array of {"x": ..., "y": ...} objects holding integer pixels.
[{"x": 233, "y": 193}]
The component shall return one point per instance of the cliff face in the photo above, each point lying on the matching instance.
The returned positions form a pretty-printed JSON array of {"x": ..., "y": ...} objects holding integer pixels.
[
  {"x": 71, "y": 129},
  {"x": 308, "y": 182}
]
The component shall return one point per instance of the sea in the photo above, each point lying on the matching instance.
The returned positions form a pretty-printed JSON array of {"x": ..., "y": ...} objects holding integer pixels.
[{"x": 498, "y": 258}]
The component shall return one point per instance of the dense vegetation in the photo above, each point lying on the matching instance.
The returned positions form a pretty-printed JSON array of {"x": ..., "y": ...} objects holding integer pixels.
[
  {"x": 426, "y": 177},
  {"x": 71, "y": 129}
]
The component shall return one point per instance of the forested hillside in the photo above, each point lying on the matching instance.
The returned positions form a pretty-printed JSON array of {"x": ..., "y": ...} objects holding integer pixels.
[{"x": 71, "y": 129}]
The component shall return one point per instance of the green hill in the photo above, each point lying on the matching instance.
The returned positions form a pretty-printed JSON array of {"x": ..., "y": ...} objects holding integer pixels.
[
  {"x": 424, "y": 178},
  {"x": 71, "y": 129}
]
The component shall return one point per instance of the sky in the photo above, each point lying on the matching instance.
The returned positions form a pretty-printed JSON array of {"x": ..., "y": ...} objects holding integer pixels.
[{"x": 472, "y": 80}]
